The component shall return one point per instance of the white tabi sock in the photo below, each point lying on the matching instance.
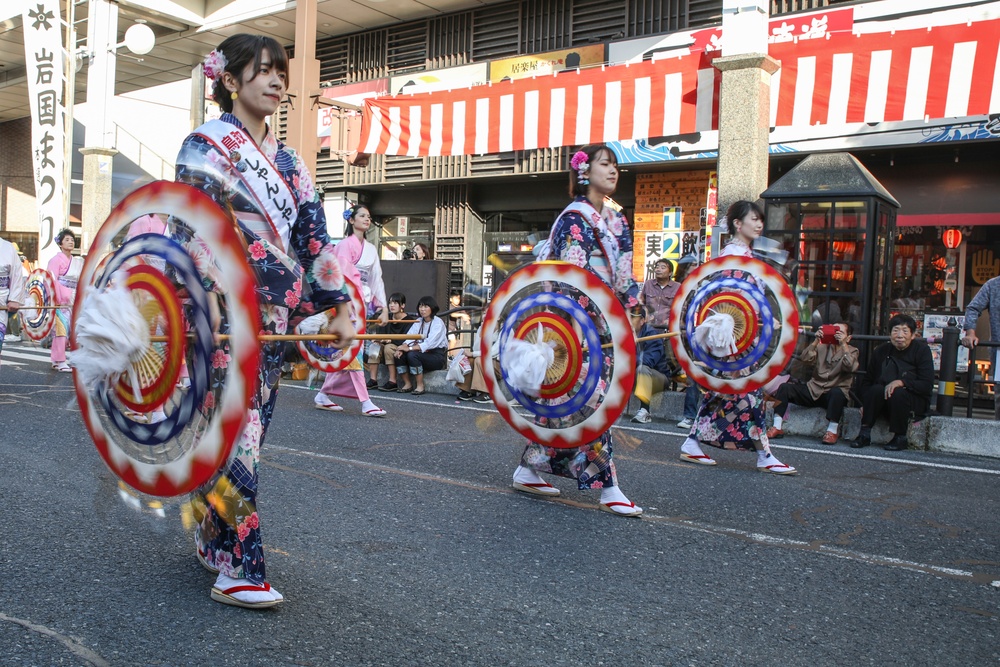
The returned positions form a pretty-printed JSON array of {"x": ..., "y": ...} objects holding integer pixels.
[
  {"x": 224, "y": 582},
  {"x": 832, "y": 427},
  {"x": 778, "y": 421},
  {"x": 767, "y": 459},
  {"x": 523, "y": 475},
  {"x": 612, "y": 494},
  {"x": 368, "y": 405},
  {"x": 692, "y": 447}
]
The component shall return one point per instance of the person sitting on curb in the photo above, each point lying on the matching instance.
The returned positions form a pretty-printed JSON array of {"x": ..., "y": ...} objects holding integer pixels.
[
  {"x": 429, "y": 353},
  {"x": 384, "y": 351},
  {"x": 651, "y": 368},
  {"x": 899, "y": 381},
  {"x": 472, "y": 387},
  {"x": 829, "y": 386}
]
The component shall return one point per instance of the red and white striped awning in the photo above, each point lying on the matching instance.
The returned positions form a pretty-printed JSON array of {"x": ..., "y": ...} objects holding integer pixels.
[
  {"x": 945, "y": 72},
  {"x": 849, "y": 77},
  {"x": 661, "y": 98}
]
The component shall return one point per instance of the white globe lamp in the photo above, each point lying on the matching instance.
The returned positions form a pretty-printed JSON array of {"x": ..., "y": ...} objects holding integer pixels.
[{"x": 139, "y": 39}]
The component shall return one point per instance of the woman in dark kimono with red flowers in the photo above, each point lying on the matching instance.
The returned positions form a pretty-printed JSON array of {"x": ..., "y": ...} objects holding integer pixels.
[
  {"x": 238, "y": 162},
  {"x": 590, "y": 234}
]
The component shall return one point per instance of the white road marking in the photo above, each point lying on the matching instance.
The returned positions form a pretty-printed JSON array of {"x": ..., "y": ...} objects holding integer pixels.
[
  {"x": 687, "y": 524},
  {"x": 681, "y": 434},
  {"x": 77, "y": 649},
  {"x": 10, "y": 354}
]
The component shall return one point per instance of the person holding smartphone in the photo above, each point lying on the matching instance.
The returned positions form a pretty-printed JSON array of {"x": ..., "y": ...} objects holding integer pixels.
[{"x": 836, "y": 361}]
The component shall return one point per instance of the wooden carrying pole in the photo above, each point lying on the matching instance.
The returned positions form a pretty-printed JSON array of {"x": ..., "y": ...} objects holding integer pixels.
[{"x": 292, "y": 338}]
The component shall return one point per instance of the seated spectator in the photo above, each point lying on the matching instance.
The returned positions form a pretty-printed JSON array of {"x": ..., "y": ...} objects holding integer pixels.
[
  {"x": 898, "y": 382},
  {"x": 459, "y": 322},
  {"x": 829, "y": 385},
  {"x": 472, "y": 387},
  {"x": 652, "y": 370},
  {"x": 382, "y": 351},
  {"x": 414, "y": 357}
]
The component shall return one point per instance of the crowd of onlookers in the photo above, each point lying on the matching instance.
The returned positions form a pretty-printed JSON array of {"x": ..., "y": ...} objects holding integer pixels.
[{"x": 897, "y": 382}]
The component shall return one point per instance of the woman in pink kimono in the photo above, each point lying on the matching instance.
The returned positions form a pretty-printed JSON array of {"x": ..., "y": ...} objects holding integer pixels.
[
  {"x": 65, "y": 270},
  {"x": 360, "y": 263}
]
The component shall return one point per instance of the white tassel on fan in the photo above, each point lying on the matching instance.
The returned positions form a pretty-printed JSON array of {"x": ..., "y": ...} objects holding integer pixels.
[
  {"x": 526, "y": 363},
  {"x": 312, "y": 324},
  {"x": 111, "y": 335},
  {"x": 716, "y": 333}
]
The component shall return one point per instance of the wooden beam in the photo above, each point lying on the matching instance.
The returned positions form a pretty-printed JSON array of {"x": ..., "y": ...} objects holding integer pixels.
[{"x": 303, "y": 77}]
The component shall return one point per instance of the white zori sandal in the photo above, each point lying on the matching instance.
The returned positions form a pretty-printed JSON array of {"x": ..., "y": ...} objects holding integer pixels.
[
  {"x": 527, "y": 480},
  {"x": 243, "y": 593}
]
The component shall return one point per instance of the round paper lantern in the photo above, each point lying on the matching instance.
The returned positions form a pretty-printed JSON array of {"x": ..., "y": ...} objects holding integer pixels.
[{"x": 952, "y": 238}]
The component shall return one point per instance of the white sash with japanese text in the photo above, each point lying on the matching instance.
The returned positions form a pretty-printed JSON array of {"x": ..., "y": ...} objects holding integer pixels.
[
  {"x": 274, "y": 198},
  {"x": 43, "y": 52}
]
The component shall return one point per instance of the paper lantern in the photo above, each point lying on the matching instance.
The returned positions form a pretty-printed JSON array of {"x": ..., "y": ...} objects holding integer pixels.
[
  {"x": 842, "y": 275},
  {"x": 844, "y": 247},
  {"x": 952, "y": 238}
]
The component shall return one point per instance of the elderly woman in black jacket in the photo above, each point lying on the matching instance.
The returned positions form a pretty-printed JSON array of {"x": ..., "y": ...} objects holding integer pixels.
[{"x": 899, "y": 382}]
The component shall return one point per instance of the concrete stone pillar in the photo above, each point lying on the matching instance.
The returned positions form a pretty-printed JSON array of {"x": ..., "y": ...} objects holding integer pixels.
[
  {"x": 744, "y": 103},
  {"x": 97, "y": 172},
  {"x": 102, "y": 36},
  {"x": 198, "y": 96},
  {"x": 744, "y": 118}
]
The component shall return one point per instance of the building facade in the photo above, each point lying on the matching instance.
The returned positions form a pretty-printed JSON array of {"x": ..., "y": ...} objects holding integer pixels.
[{"x": 935, "y": 156}]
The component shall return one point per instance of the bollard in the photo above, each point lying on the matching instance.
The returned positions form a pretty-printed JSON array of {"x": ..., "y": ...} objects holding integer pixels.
[{"x": 949, "y": 360}]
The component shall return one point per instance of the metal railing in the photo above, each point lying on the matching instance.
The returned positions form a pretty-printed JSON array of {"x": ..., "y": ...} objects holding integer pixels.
[
  {"x": 144, "y": 157},
  {"x": 947, "y": 375}
]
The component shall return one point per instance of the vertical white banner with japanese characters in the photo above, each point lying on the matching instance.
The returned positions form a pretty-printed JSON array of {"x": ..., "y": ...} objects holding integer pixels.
[{"x": 43, "y": 52}]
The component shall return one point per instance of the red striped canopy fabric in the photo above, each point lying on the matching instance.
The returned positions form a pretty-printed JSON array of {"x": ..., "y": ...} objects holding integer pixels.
[{"x": 918, "y": 74}]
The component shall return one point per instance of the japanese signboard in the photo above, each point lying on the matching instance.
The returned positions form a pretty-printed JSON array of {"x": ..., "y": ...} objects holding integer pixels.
[
  {"x": 542, "y": 64},
  {"x": 44, "y": 62},
  {"x": 668, "y": 217}
]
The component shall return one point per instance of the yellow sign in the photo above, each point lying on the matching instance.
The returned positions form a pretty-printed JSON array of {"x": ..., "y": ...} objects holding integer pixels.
[{"x": 542, "y": 64}]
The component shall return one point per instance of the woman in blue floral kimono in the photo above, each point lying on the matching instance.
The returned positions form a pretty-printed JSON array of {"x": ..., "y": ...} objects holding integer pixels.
[
  {"x": 592, "y": 235},
  {"x": 239, "y": 163},
  {"x": 735, "y": 421}
]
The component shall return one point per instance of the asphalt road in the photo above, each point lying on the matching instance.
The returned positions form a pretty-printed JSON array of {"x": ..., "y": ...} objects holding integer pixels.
[{"x": 398, "y": 541}]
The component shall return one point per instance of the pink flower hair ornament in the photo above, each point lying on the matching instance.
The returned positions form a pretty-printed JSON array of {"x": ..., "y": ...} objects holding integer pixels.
[
  {"x": 580, "y": 164},
  {"x": 579, "y": 161},
  {"x": 215, "y": 64}
]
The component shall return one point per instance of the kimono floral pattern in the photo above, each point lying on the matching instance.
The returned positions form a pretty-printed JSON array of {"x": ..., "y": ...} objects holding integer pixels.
[
  {"x": 732, "y": 421},
  {"x": 574, "y": 239},
  {"x": 200, "y": 164},
  {"x": 289, "y": 288}
]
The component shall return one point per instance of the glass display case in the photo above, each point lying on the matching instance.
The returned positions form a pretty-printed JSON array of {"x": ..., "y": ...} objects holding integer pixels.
[{"x": 834, "y": 219}]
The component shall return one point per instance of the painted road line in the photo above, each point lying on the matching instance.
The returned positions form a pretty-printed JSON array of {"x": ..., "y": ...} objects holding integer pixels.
[
  {"x": 653, "y": 431},
  {"x": 682, "y": 522},
  {"x": 6, "y": 354}
]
